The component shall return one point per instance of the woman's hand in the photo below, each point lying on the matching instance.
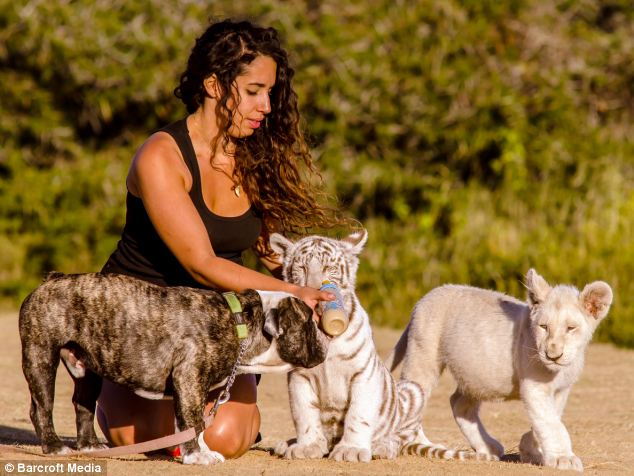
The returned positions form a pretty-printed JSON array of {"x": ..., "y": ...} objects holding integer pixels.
[{"x": 312, "y": 296}]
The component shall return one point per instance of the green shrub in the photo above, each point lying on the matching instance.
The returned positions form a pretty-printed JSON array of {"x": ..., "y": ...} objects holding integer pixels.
[{"x": 474, "y": 139}]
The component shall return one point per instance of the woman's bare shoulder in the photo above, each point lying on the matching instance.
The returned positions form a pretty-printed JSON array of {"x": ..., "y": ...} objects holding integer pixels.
[
  {"x": 160, "y": 146},
  {"x": 157, "y": 158}
]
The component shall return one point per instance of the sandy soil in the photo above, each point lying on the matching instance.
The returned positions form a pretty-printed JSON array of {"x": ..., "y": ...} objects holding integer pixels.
[{"x": 599, "y": 417}]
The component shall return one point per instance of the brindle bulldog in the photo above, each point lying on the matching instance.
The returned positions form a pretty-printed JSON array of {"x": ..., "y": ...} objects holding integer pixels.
[{"x": 153, "y": 340}]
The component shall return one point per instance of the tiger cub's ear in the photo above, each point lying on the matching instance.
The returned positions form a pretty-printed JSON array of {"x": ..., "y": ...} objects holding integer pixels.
[
  {"x": 356, "y": 241},
  {"x": 280, "y": 244}
]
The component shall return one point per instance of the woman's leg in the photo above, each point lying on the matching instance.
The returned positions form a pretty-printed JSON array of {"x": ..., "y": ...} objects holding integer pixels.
[
  {"x": 237, "y": 422},
  {"x": 125, "y": 418}
]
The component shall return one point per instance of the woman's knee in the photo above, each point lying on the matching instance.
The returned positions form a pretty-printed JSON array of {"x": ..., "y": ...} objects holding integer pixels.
[{"x": 234, "y": 430}]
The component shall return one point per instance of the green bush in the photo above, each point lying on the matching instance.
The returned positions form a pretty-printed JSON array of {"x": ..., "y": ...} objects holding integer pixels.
[{"x": 474, "y": 139}]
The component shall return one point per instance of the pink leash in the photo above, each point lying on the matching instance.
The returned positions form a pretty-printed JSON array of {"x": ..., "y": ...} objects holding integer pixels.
[
  {"x": 152, "y": 445},
  {"x": 143, "y": 447}
]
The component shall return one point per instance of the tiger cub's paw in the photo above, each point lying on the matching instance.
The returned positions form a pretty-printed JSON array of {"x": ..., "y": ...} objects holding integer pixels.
[
  {"x": 350, "y": 453},
  {"x": 385, "y": 450},
  {"x": 299, "y": 451}
]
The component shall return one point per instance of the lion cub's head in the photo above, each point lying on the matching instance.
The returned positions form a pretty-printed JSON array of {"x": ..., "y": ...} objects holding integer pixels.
[{"x": 563, "y": 319}]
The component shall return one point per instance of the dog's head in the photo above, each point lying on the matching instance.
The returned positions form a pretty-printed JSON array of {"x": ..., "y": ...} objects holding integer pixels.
[{"x": 290, "y": 337}]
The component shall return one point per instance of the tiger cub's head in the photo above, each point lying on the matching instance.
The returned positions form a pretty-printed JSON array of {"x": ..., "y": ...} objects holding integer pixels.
[{"x": 313, "y": 259}]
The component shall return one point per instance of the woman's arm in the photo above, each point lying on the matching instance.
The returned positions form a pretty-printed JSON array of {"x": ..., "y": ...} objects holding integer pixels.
[
  {"x": 272, "y": 264},
  {"x": 159, "y": 177}
]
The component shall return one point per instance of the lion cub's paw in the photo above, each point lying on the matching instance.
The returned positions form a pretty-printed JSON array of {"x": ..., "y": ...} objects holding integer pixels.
[
  {"x": 298, "y": 451},
  {"x": 350, "y": 453},
  {"x": 564, "y": 462}
]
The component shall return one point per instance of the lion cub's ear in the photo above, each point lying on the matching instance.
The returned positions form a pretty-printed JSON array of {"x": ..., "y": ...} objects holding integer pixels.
[
  {"x": 596, "y": 299},
  {"x": 537, "y": 287}
]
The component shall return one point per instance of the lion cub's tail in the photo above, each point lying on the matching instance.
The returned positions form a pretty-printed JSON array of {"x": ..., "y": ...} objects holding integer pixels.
[
  {"x": 398, "y": 352},
  {"x": 440, "y": 452}
]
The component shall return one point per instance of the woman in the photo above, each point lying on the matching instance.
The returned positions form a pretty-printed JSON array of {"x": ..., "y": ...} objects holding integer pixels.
[{"x": 203, "y": 190}]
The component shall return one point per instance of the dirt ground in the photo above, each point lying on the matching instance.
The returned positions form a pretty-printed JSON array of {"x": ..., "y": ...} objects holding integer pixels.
[{"x": 599, "y": 417}]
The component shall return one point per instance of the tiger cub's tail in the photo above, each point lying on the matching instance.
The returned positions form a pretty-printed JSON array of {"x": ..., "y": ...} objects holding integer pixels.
[{"x": 440, "y": 452}]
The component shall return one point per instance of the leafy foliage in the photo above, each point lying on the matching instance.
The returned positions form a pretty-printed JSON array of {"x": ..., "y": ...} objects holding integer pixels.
[{"x": 474, "y": 139}]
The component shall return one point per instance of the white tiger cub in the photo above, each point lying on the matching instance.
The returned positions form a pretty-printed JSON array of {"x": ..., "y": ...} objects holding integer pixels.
[
  {"x": 349, "y": 407},
  {"x": 499, "y": 348}
]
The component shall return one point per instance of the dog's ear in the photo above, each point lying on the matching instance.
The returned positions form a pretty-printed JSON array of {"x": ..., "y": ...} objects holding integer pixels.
[
  {"x": 295, "y": 309},
  {"x": 538, "y": 287},
  {"x": 292, "y": 313},
  {"x": 272, "y": 323},
  {"x": 596, "y": 299},
  {"x": 280, "y": 244},
  {"x": 302, "y": 344}
]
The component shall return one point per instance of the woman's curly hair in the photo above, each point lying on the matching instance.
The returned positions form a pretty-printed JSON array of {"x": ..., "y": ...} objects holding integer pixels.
[{"x": 273, "y": 165}]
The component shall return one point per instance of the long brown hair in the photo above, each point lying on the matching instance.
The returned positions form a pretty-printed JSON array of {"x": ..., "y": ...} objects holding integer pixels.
[{"x": 273, "y": 165}]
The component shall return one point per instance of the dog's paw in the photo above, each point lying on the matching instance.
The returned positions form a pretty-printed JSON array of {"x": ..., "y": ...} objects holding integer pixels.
[
  {"x": 350, "y": 453},
  {"x": 203, "y": 457},
  {"x": 298, "y": 451},
  {"x": 61, "y": 451},
  {"x": 92, "y": 447},
  {"x": 570, "y": 461}
]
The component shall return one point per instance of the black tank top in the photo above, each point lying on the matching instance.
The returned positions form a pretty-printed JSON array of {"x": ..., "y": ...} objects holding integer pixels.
[{"x": 141, "y": 252}]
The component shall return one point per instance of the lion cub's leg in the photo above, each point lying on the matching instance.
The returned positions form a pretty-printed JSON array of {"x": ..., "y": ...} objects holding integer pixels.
[
  {"x": 530, "y": 452},
  {"x": 549, "y": 442},
  {"x": 465, "y": 411}
]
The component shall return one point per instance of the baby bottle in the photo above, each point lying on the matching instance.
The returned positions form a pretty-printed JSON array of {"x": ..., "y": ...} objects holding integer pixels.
[{"x": 334, "y": 320}]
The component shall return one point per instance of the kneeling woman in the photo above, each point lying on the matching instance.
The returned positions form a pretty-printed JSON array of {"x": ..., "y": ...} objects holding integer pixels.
[{"x": 203, "y": 190}]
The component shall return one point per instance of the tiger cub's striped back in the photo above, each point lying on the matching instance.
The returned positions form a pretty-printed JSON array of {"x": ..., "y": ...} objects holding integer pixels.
[{"x": 349, "y": 407}]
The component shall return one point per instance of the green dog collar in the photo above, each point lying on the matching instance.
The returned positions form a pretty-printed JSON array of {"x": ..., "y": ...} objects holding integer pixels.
[{"x": 236, "y": 309}]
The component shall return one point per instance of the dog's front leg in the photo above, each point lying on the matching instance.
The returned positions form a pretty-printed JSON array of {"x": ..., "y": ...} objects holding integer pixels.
[
  {"x": 189, "y": 403},
  {"x": 304, "y": 402}
]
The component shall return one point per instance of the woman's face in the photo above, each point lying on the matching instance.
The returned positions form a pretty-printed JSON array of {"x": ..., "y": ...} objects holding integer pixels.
[{"x": 253, "y": 89}]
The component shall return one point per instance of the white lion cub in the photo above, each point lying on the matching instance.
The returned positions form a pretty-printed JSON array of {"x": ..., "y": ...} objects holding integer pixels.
[{"x": 498, "y": 347}]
